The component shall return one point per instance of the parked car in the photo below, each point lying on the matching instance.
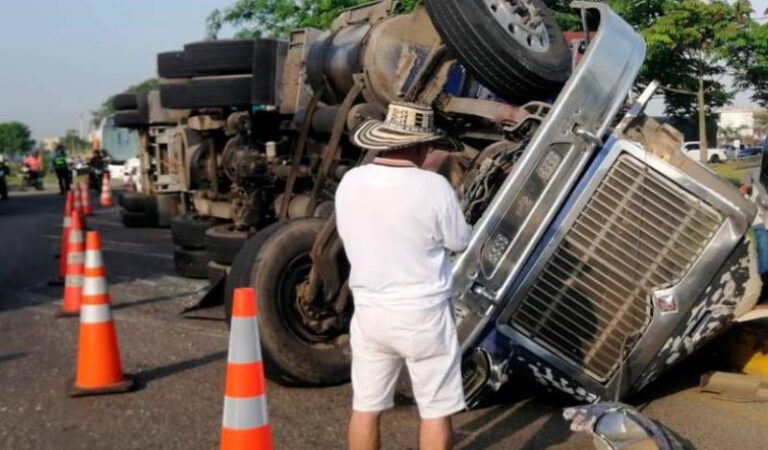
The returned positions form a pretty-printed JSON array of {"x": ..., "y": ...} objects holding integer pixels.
[
  {"x": 714, "y": 155},
  {"x": 748, "y": 152}
]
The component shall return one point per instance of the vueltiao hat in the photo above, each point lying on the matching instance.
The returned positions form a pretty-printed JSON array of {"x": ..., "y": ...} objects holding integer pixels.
[{"x": 406, "y": 125}]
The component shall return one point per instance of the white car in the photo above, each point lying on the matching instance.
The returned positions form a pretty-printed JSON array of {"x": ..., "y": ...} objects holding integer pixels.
[{"x": 714, "y": 155}]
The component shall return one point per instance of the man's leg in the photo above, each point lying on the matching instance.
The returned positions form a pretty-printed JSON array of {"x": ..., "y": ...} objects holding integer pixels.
[
  {"x": 436, "y": 434},
  {"x": 364, "y": 431},
  {"x": 3, "y": 189}
]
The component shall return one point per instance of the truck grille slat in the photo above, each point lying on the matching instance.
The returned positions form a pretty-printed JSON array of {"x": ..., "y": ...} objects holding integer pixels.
[
  {"x": 678, "y": 258},
  {"x": 584, "y": 288},
  {"x": 662, "y": 202},
  {"x": 590, "y": 301},
  {"x": 652, "y": 216}
]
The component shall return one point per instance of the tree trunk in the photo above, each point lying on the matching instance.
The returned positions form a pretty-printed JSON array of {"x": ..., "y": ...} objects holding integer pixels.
[{"x": 703, "y": 144}]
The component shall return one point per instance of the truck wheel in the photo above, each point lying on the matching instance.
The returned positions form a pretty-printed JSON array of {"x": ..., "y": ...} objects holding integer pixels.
[
  {"x": 207, "y": 92},
  {"x": 188, "y": 231},
  {"x": 276, "y": 263},
  {"x": 225, "y": 57},
  {"x": 133, "y": 202},
  {"x": 223, "y": 243},
  {"x": 122, "y": 102},
  {"x": 172, "y": 65},
  {"x": 137, "y": 219},
  {"x": 505, "y": 46}
]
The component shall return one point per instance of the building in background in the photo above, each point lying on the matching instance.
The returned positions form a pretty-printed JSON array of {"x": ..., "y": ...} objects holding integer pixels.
[
  {"x": 49, "y": 144},
  {"x": 742, "y": 125}
]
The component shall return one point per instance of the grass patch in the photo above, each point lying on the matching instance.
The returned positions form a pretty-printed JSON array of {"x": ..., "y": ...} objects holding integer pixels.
[{"x": 730, "y": 172}]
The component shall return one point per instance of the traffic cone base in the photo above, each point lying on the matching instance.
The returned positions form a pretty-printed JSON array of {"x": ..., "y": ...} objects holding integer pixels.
[
  {"x": 260, "y": 438},
  {"x": 126, "y": 385}
]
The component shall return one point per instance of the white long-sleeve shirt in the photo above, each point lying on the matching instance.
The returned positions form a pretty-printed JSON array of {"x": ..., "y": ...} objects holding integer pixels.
[{"x": 398, "y": 225}]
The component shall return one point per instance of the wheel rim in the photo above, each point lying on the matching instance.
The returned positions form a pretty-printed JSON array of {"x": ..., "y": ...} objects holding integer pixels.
[
  {"x": 294, "y": 311},
  {"x": 523, "y": 21}
]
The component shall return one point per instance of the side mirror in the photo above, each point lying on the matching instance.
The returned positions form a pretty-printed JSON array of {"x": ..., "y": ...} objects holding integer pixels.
[{"x": 615, "y": 426}]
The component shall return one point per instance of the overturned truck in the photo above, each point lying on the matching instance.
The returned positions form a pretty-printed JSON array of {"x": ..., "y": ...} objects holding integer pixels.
[{"x": 601, "y": 255}]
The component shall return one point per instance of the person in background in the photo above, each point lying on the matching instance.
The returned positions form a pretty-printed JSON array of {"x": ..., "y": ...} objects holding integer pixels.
[
  {"x": 5, "y": 171},
  {"x": 61, "y": 166},
  {"x": 34, "y": 163}
]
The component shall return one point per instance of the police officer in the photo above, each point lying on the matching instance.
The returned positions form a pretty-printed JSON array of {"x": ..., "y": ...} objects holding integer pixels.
[
  {"x": 5, "y": 171},
  {"x": 61, "y": 166}
]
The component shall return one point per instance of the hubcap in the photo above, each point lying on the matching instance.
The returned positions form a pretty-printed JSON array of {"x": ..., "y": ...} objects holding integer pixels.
[{"x": 523, "y": 21}]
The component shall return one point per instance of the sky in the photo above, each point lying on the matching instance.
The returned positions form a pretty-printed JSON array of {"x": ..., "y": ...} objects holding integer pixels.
[{"x": 60, "y": 59}]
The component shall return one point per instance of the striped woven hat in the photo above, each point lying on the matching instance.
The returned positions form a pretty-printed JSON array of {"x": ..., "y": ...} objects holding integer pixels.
[{"x": 406, "y": 125}]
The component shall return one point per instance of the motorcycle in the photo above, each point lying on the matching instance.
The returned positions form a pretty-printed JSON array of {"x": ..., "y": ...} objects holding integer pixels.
[{"x": 31, "y": 179}]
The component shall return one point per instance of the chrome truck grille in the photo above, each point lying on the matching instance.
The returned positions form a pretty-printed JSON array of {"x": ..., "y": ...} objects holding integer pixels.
[{"x": 638, "y": 233}]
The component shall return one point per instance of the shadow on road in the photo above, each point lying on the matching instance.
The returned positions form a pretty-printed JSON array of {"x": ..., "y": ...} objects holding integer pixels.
[
  {"x": 514, "y": 410},
  {"x": 12, "y": 356},
  {"x": 147, "y": 376}
]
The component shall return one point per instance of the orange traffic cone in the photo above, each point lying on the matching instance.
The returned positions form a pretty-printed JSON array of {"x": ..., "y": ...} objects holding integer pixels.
[
  {"x": 246, "y": 423},
  {"x": 78, "y": 202},
  {"x": 99, "y": 370},
  {"x": 106, "y": 192},
  {"x": 62, "y": 255},
  {"x": 86, "y": 199},
  {"x": 74, "y": 257}
]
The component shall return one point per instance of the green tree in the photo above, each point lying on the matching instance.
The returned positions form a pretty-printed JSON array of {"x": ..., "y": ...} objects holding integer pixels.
[
  {"x": 107, "y": 108},
  {"x": 256, "y": 18},
  {"x": 15, "y": 138},
  {"x": 752, "y": 63},
  {"x": 690, "y": 49},
  {"x": 74, "y": 143}
]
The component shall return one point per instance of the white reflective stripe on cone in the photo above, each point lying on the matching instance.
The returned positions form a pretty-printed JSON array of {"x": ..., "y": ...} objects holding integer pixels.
[
  {"x": 95, "y": 314},
  {"x": 244, "y": 345},
  {"x": 73, "y": 280},
  {"x": 93, "y": 259},
  {"x": 94, "y": 286},
  {"x": 67, "y": 222},
  {"x": 75, "y": 258},
  {"x": 76, "y": 237},
  {"x": 245, "y": 413}
]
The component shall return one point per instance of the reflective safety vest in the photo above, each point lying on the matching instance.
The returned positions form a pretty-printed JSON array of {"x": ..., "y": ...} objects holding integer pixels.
[{"x": 60, "y": 162}]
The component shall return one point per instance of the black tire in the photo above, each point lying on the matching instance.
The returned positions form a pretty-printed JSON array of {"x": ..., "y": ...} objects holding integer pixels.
[
  {"x": 129, "y": 119},
  {"x": 209, "y": 92},
  {"x": 191, "y": 263},
  {"x": 172, "y": 65},
  {"x": 714, "y": 159},
  {"x": 188, "y": 231},
  {"x": 268, "y": 60},
  {"x": 134, "y": 202},
  {"x": 225, "y": 57},
  {"x": 495, "y": 57},
  {"x": 137, "y": 219},
  {"x": 272, "y": 262},
  {"x": 122, "y": 102},
  {"x": 223, "y": 243}
]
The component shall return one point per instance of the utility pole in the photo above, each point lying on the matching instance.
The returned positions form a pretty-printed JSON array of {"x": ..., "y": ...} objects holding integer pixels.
[{"x": 703, "y": 144}]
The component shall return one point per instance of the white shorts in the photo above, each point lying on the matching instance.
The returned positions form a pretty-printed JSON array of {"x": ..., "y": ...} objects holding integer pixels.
[{"x": 425, "y": 340}]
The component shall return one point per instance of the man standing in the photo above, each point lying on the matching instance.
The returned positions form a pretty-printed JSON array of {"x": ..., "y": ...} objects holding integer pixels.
[
  {"x": 398, "y": 224},
  {"x": 5, "y": 171},
  {"x": 61, "y": 166}
]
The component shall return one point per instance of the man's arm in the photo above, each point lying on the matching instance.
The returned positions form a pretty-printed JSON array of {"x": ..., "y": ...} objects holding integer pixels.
[{"x": 456, "y": 232}]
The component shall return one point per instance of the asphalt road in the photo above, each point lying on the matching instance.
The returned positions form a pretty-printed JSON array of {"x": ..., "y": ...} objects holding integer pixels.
[{"x": 180, "y": 367}]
